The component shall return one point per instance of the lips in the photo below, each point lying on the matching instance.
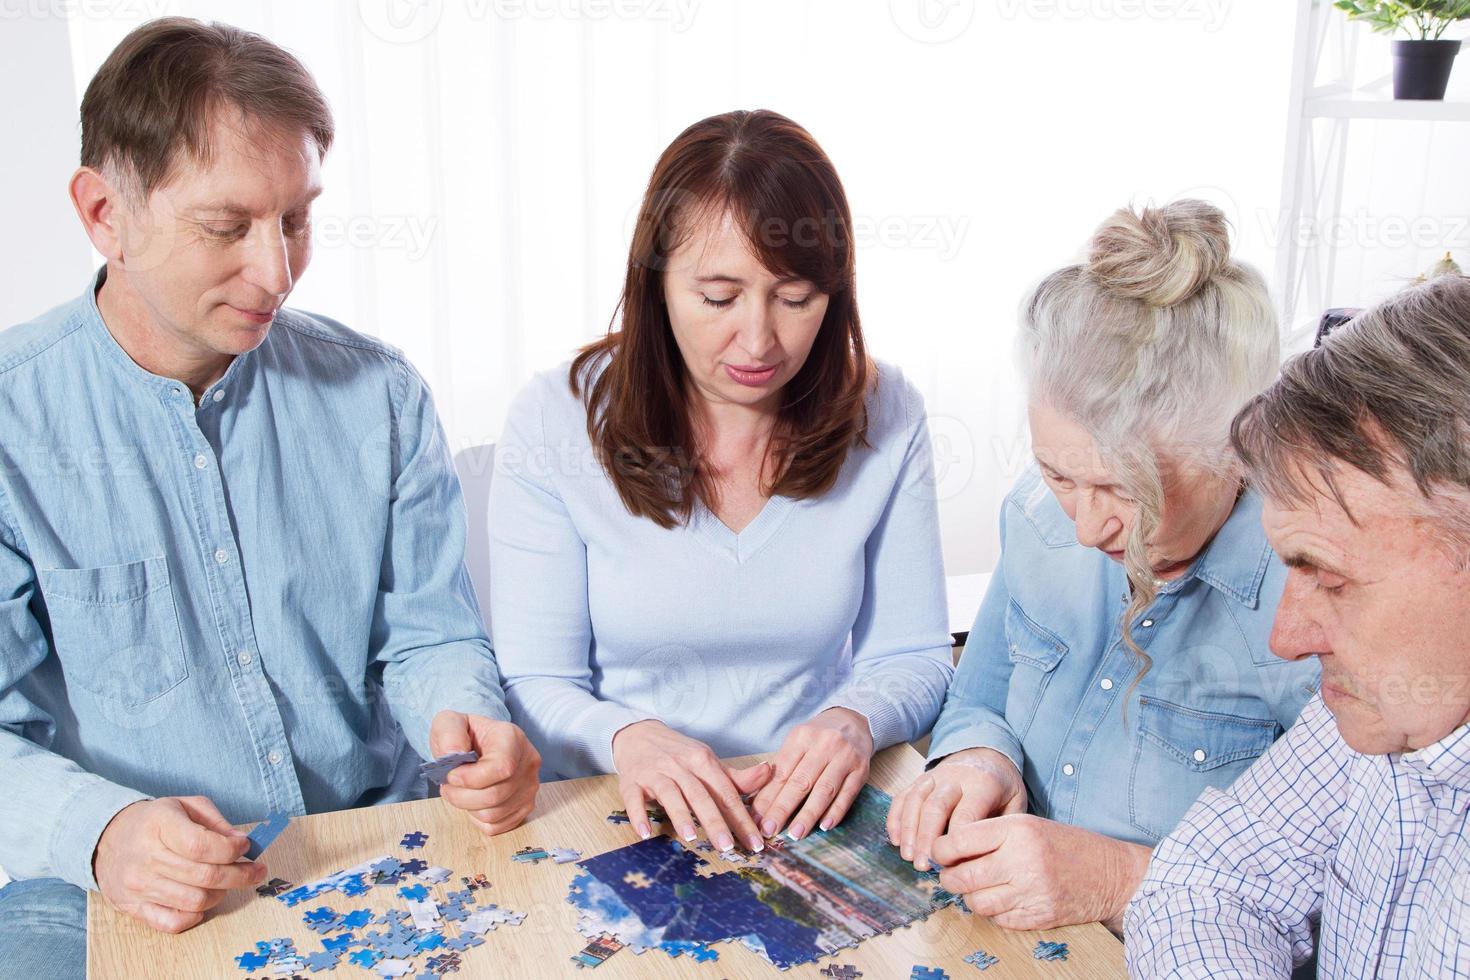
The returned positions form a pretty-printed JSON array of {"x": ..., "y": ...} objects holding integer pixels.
[
  {"x": 751, "y": 375},
  {"x": 256, "y": 316}
]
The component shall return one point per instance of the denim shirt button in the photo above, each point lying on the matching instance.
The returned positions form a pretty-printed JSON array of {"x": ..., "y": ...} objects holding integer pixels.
[
  {"x": 221, "y": 556},
  {"x": 1148, "y": 622},
  {"x": 1199, "y": 755},
  {"x": 1106, "y": 684},
  {"x": 274, "y": 758},
  {"x": 1069, "y": 769}
]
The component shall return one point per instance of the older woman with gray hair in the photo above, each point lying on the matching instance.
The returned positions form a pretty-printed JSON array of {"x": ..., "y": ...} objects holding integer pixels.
[{"x": 1120, "y": 663}]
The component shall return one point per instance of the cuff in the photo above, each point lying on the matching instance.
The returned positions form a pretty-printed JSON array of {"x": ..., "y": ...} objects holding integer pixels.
[
  {"x": 592, "y": 750},
  {"x": 981, "y": 736},
  {"x": 885, "y": 722},
  {"x": 84, "y": 816},
  {"x": 465, "y": 681}
]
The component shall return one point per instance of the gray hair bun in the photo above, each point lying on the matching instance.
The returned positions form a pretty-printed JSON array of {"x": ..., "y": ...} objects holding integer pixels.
[{"x": 1160, "y": 256}]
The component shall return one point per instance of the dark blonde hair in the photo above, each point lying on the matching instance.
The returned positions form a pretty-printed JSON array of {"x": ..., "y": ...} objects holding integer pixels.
[
  {"x": 164, "y": 84},
  {"x": 774, "y": 181}
]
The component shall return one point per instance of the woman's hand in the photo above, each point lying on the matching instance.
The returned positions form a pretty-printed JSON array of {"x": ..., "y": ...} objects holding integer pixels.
[
  {"x": 1025, "y": 872},
  {"x": 967, "y": 786},
  {"x": 820, "y": 769},
  {"x": 686, "y": 778}
]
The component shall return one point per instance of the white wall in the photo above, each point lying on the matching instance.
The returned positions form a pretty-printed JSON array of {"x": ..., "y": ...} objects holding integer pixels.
[{"x": 43, "y": 253}]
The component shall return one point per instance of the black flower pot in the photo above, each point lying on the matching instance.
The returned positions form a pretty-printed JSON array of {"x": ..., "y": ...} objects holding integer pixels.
[{"x": 1421, "y": 69}]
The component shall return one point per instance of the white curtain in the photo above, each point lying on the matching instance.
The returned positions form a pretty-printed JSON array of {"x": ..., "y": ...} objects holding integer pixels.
[{"x": 490, "y": 154}]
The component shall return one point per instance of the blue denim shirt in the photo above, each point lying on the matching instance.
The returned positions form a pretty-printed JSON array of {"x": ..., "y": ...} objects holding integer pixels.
[
  {"x": 1045, "y": 672},
  {"x": 243, "y": 599}
]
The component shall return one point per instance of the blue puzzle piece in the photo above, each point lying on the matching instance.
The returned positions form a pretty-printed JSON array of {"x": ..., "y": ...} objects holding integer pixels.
[
  {"x": 357, "y": 919},
  {"x": 928, "y": 973},
  {"x": 251, "y": 961},
  {"x": 414, "y": 893},
  {"x": 265, "y": 834},
  {"x": 464, "y": 942},
  {"x": 414, "y": 841},
  {"x": 981, "y": 960},
  {"x": 454, "y": 913},
  {"x": 439, "y": 769},
  {"x": 431, "y": 941},
  {"x": 340, "y": 943},
  {"x": 365, "y": 958},
  {"x": 353, "y": 886},
  {"x": 1050, "y": 951},
  {"x": 414, "y": 867},
  {"x": 325, "y": 960}
]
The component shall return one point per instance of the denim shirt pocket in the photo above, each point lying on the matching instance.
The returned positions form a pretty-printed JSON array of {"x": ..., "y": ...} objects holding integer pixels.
[
  {"x": 116, "y": 630},
  {"x": 1034, "y": 653},
  {"x": 1180, "y": 751}
]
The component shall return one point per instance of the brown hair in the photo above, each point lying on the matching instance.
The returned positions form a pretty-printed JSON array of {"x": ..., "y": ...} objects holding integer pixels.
[
  {"x": 160, "y": 88},
  {"x": 772, "y": 178},
  {"x": 1389, "y": 389}
]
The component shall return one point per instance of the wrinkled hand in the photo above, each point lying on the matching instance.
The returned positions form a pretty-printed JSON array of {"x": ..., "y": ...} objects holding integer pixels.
[
  {"x": 499, "y": 790},
  {"x": 168, "y": 861},
  {"x": 820, "y": 768},
  {"x": 687, "y": 779},
  {"x": 965, "y": 787},
  {"x": 1025, "y": 872}
]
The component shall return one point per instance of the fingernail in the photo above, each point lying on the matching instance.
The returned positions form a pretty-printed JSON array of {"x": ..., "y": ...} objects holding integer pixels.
[
  {"x": 757, "y": 845},
  {"x": 688, "y": 834},
  {"x": 768, "y": 827},
  {"x": 796, "y": 832},
  {"x": 726, "y": 843},
  {"x": 645, "y": 832},
  {"x": 825, "y": 826},
  {"x": 922, "y": 864}
]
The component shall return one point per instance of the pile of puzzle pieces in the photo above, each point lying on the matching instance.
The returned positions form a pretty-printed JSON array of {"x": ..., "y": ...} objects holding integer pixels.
[{"x": 420, "y": 928}]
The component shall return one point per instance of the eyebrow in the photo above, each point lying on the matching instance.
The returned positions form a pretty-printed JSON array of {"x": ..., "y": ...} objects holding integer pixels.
[
  {"x": 236, "y": 210},
  {"x": 1306, "y": 560},
  {"x": 737, "y": 281}
]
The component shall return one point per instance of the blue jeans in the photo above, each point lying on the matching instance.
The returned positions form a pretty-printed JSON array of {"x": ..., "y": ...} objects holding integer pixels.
[{"x": 43, "y": 930}]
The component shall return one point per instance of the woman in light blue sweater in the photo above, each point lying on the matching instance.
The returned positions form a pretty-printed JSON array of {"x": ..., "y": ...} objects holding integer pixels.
[{"x": 715, "y": 533}]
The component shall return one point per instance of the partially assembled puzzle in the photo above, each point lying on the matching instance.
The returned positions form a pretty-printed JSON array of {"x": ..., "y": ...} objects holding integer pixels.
[{"x": 792, "y": 903}]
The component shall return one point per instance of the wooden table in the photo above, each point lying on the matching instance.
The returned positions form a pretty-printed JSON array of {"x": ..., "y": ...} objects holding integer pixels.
[{"x": 571, "y": 814}]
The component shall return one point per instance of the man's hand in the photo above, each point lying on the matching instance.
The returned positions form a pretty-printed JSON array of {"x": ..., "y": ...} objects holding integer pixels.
[
  {"x": 498, "y": 791},
  {"x": 1025, "y": 872},
  {"x": 168, "y": 861}
]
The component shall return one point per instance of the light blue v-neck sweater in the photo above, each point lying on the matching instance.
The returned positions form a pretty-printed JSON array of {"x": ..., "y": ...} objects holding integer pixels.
[{"x": 600, "y": 619}]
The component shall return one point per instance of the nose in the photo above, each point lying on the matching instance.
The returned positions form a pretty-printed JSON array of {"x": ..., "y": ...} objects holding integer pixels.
[
  {"x": 268, "y": 261},
  {"x": 1295, "y": 634},
  {"x": 757, "y": 333},
  {"x": 1096, "y": 522}
]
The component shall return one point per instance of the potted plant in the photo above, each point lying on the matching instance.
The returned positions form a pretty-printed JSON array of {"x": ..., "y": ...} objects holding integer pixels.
[{"x": 1421, "y": 64}]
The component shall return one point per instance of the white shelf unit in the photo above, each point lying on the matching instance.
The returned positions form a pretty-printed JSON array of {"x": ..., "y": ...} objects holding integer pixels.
[{"x": 1326, "y": 97}]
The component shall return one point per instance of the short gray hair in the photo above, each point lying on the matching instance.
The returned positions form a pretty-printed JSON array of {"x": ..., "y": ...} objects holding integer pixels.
[{"x": 1388, "y": 391}]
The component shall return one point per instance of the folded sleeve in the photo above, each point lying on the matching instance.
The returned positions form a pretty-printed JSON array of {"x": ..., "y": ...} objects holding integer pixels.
[
  {"x": 428, "y": 633},
  {"x": 901, "y": 660},
  {"x": 53, "y": 812},
  {"x": 1235, "y": 890}
]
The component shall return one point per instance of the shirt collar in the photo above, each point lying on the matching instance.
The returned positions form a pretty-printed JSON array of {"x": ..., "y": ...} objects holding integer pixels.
[
  {"x": 1446, "y": 761},
  {"x": 113, "y": 351},
  {"x": 1235, "y": 560}
]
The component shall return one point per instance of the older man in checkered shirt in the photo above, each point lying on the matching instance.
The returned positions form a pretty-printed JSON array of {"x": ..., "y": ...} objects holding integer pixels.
[{"x": 1354, "y": 825}]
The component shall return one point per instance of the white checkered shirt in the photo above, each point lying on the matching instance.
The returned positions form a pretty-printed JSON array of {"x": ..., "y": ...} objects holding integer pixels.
[{"x": 1375, "y": 848}]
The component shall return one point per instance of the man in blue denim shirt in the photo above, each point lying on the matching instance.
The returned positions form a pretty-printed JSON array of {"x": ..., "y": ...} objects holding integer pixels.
[{"x": 231, "y": 539}]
